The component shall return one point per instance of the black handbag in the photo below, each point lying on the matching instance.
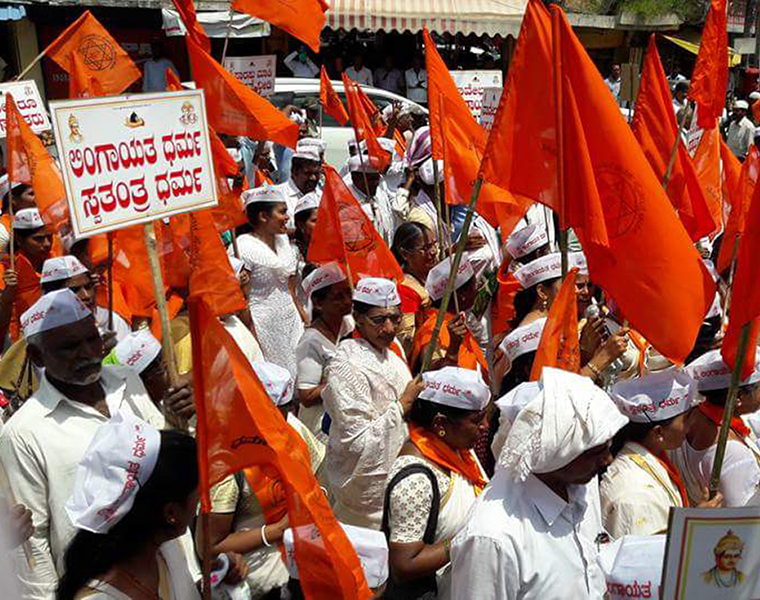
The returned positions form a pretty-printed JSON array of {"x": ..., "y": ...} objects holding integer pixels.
[{"x": 425, "y": 588}]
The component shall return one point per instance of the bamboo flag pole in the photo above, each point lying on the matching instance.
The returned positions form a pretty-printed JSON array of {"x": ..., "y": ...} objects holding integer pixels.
[
  {"x": 461, "y": 243},
  {"x": 558, "y": 74},
  {"x": 110, "y": 280},
  {"x": 30, "y": 66},
  {"x": 227, "y": 35},
  {"x": 674, "y": 150},
  {"x": 728, "y": 411},
  {"x": 163, "y": 313}
]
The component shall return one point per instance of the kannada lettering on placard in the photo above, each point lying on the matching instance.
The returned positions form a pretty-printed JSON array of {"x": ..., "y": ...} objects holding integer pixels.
[
  {"x": 471, "y": 85},
  {"x": 29, "y": 104},
  {"x": 256, "y": 72},
  {"x": 130, "y": 160}
]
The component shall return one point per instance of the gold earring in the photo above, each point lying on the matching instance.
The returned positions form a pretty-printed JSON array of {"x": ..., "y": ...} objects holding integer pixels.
[{"x": 441, "y": 433}]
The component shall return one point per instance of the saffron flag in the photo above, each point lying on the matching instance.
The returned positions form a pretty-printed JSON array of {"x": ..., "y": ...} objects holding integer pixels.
[
  {"x": 740, "y": 201},
  {"x": 344, "y": 233},
  {"x": 240, "y": 427},
  {"x": 82, "y": 82},
  {"x": 656, "y": 130},
  {"x": 29, "y": 162},
  {"x": 709, "y": 78},
  {"x": 745, "y": 294},
  {"x": 186, "y": 10},
  {"x": 101, "y": 58},
  {"x": 521, "y": 155},
  {"x": 362, "y": 125},
  {"x": 330, "y": 100},
  {"x": 211, "y": 274},
  {"x": 303, "y": 19},
  {"x": 234, "y": 108},
  {"x": 228, "y": 213},
  {"x": 559, "y": 346},
  {"x": 453, "y": 126},
  {"x": 707, "y": 165},
  {"x": 637, "y": 249}
]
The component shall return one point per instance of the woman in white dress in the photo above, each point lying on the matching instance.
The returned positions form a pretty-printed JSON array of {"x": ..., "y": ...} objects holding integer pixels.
[
  {"x": 329, "y": 297},
  {"x": 270, "y": 259},
  {"x": 127, "y": 545},
  {"x": 434, "y": 481}
]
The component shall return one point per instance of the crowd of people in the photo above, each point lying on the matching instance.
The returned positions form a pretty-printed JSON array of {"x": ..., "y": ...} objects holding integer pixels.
[{"x": 455, "y": 473}]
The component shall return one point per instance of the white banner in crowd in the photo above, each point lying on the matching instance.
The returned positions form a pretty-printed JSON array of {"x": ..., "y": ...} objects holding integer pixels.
[
  {"x": 257, "y": 72},
  {"x": 490, "y": 102},
  {"x": 632, "y": 566},
  {"x": 471, "y": 85},
  {"x": 133, "y": 159},
  {"x": 28, "y": 101}
]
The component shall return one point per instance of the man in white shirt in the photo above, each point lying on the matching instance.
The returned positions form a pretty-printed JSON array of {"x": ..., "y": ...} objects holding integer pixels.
[
  {"x": 300, "y": 64},
  {"x": 680, "y": 93},
  {"x": 43, "y": 442},
  {"x": 363, "y": 181},
  {"x": 416, "y": 82},
  {"x": 535, "y": 531},
  {"x": 358, "y": 72},
  {"x": 741, "y": 131},
  {"x": 154, "y": 69},
  {"x": 388, "y": 77},
  {"x": 305, "y": 170},
  {"x": 613, "y": 81}
]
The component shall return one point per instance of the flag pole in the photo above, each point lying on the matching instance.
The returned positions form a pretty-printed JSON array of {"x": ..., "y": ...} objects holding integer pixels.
[
  {"x": 11, "y": 238},
  {"x": 674, "y": 151},
  {"x": 30, "y": 66},
  {"x": 227, "y": 35},
  {"x": 734, "y": 254},
  {"x": 558, "y": 74},
  {"x": 110, "y": 280},
  {"x": 158, "y": 289},
  {"x": 439, "y": 205},
  {"x": 728, "y": 411},
  {"x": 461, "y": 243}
]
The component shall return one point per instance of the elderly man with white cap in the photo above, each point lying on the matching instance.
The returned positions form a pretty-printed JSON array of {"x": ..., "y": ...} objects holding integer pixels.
[
  {"x": 740, "y": 475},
  {"x": 741, "y": 131},
  {"x": 43, "y": 442},
  {"x": 642, "y": 484},
  {"x": 369, "y": 392},
  {"x": 305, "y": 170},
  {"x": 534, "y": 532},
  {"x": 363, "y": 181}
]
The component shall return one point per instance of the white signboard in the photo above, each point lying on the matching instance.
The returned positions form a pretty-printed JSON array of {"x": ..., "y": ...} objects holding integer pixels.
[
  {"x": 471, "y": 85},
  {"x": 133, "y": 159},
  {"x": 257, "y": 72},
  {"x": 490, "y": 102},
  {"x": 28, "y": 101}
]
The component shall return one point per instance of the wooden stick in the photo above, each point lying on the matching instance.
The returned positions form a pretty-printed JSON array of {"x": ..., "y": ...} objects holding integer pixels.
[
  {"x": 674, "y": 150},
  {"x": 31, "y": 64},
  {"x": 11, "y": 238},
  {"x": 558, "y": 74},
  {"x": 728, "y": 411},
  {"x": 461, "y": 243},
  {"x": 110, "y": 281},
  {"x": 732, "y": 271},
  {"x": 158, "y": 289},
  {"x": 439, "y": 212},
  {"x": 227, "y": 36},
  {"x": 5, "y": 484},
  {"x": 206, "y": 557}
]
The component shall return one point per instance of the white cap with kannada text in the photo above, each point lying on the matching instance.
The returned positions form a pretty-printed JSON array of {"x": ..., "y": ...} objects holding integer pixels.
[
  {"x": 56, "y": 309},
  {"x": 307, "y": 202},
  {"x": 523, "y": 339},
  {"x": 438, "y": 277},
  {"x": 323, "y": 276},
  {"x": 28, "y": 218},
  {"x": 137, "y": 350},
  {"x": 525, "y": 240},
  {"x": 268, "y": 193},
  {"x": 61, "y": 267},
  {"x": 456, "y": 387},
  {"x": 377, "y": 291},
  {"x": 711, "y": 373},
  {"x": 549, "y": 267},
  {"x": 656, "y": 397}
]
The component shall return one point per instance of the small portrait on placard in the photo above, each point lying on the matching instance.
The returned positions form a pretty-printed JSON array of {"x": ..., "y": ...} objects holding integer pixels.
[{"x": 728, "y": 554}]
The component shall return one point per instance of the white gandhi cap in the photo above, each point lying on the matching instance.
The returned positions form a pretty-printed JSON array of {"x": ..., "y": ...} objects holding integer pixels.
[{"x": 456, "y": 387}]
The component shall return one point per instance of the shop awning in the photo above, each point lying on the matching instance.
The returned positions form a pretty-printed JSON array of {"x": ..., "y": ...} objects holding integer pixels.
[
  {"x": 215, "y": 24},
  {"x": 481, "y": 17},
  {"x": 734, "y": 58}
]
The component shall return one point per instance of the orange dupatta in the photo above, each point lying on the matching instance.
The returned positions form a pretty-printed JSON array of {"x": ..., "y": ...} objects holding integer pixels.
[
  {"x": 715, "y": 414},
  {"x": 434, "y": 448},
  {"x": 674, "y": 475},
  {"x": 470, "y": 355}
]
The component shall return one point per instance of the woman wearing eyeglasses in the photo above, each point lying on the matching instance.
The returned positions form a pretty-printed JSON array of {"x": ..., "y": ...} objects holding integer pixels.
[{"x": 369, "y": 392}]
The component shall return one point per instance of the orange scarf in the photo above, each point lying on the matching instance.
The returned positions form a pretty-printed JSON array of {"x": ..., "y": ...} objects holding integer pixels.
[
  {"x": 715, "y": 414},
  {"x": 470, "y": 355},
  {"x": 462, "y": 462},
  {"x": 674, "y": 475},
  {"x": 395, "y": 346},
  {"x": 266, "y": 484}
]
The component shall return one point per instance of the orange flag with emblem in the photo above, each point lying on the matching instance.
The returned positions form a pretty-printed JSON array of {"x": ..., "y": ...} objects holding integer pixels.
[
  {"x": 362, "y": 125},
  {"x": 234, "y": 108},
  {"x": 709, "y": 79},
  {"x": 29, "y": 162},
  {"x": 740, "y": 202},
  {"x": 707, "y": 164},
  {"x": 82, "y": 82},
  {"x": 100, "y": 57},
  {"x": 240, "y": 427},
  {"x": 330, "y": 100},
  {"x": 344, "y": 233},
  {"x": 745, "y": 293},
  {"x": 303, "y": 19},
  {"x": 460, "y": 142},
  {"x": 637, "y": 249},
  {"x": 186, "y": 10},
  {"x": 559, "y": 346},
  {"x": 656, "y": 130},
  {"x": 211, "y": 274}
]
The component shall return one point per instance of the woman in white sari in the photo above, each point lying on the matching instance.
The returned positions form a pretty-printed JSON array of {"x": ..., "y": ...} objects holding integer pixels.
[{"x": 434, "y": 481}]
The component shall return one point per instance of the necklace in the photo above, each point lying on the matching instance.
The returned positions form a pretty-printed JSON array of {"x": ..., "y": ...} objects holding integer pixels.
[
  {"x": 144, "y": 589},
  {"x": 722, "y": 583},
  {"x": 324, "y": 328}
]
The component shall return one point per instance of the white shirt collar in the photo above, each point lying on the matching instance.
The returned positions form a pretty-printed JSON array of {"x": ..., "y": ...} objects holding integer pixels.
[
  {"x": 112, "y": 382},
  {"x": 549, "y": 505}
]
